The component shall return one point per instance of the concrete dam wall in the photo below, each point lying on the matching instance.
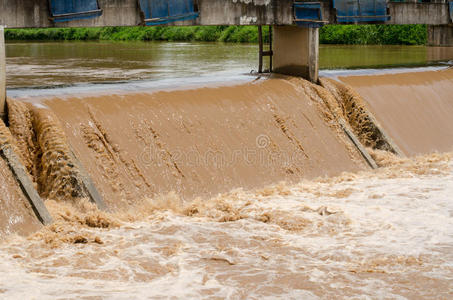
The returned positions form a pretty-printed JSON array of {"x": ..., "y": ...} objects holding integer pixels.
[
  {"x": 415, "y": 109},
  {"x": 197, "y": 142}
]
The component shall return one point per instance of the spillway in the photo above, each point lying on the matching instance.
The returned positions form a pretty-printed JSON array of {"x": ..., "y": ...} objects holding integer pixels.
[
  {"x": 203, "y": 141},
  {"x": 261, "y": 188},
  {"x": 199, "y": 141},
  {"x": 414, "y": 108}
]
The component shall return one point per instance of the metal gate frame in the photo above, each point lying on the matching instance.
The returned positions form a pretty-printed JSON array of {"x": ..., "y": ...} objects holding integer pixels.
[
  {"x": 168, "y": 19},
  {"x": 343, "y": 6},
  {"x": 74, "y": 16},
  {"x": 308, "y": 14}
]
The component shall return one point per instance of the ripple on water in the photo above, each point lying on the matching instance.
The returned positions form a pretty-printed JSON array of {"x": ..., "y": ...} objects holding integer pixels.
[{"x": 316, "y": 239}]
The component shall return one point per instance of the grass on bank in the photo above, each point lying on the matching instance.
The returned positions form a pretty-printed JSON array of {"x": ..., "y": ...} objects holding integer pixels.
[{"x": 331, "y": 34}]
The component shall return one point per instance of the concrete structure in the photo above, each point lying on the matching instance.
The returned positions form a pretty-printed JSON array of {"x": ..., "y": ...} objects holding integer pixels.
[
  {"x": 26, "y": 185},
  {"x": 35, "y": 13},
  {"x": 296, "y": 51},
  {"x": 440, "y": 35},
  {"x": 2, "y": 74},
  {"x": 295, "y": 54}
]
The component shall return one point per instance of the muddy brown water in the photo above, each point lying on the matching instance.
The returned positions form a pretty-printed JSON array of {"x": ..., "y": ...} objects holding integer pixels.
[
  {"x": 240, "y": 189},
  {"x": 63, "y": 63},
  {"x": 415, "y": 109},
  {"x": 202, "y": 141}
]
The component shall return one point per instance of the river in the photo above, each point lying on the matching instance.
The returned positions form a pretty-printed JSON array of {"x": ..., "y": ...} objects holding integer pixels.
[
  {"x": 303, "y": 217},
  {"x": 41, "y": 64}
]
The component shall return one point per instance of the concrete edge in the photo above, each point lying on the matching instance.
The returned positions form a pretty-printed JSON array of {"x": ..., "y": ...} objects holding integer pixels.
[
  {"x": 26, "y": 184},
  {"x": 88, "y": 184},
  {"x": 347, "y": 129},
  {"x": 350, "y": 133},
  {"x": 386, "y": 137},
  {"x": 394, "y": 148},
  {"x": 2, "y": 75}
]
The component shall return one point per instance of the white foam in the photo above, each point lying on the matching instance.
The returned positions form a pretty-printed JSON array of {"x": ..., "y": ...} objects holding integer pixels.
[{"x": 379, "y": 237}]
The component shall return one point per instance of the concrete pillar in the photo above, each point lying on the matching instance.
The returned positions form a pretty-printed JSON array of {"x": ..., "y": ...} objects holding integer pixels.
[
  {"x": 296, "y": 51},
  {"x": 2, "y": 75},
  {"x": 440, "y": 35}
]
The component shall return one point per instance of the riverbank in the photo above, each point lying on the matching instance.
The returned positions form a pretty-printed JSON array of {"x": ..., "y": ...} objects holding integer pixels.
[{"x": 333, "y": 34}]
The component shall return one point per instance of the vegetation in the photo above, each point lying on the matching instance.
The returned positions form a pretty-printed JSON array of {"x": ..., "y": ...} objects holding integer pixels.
[
  {"x": 374, "y": 34},
  {"x": 235, "y": 34},
  {"x": 333, "y": 34}
]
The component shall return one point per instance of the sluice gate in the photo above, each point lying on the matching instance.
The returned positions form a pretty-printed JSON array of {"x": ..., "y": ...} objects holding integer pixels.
[
  {"x": 361, "y": 11},
  {"x": 38, "y": 13},
  {"x": 158, "y": 12},
  {"x": 69, "y": 10}
]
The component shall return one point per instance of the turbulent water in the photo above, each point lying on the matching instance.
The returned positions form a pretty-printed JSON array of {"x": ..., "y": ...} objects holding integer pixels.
[
  {"x": 252, "y": 189},
  {"x": 381, "y": 234}
]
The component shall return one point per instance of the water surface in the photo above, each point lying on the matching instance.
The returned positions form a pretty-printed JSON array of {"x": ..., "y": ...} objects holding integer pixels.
[
  {"x": 385, "y": 233},
  {"x": 41, "y": 64}
]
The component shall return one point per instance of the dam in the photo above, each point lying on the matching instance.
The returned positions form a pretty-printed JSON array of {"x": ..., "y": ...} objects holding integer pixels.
[
  {"x": 296, "y": 48},
  {"x": 169, "y": 170}
]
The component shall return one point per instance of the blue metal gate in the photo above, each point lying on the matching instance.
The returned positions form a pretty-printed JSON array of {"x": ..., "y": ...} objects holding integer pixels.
[
  {"x": 68, "y": 10},
  {"x": 157, "y": 12},
  {"x": 450, "y": 5},
  {"x": 308, "y": 14},
  {"x": 355, "y": 11}
]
